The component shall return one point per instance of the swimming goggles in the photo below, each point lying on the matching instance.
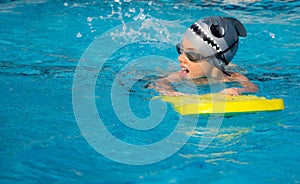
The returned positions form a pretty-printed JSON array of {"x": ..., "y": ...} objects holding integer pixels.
[
  {"x": 195, "y": 56},
  {"x": 192, "y": 55}
]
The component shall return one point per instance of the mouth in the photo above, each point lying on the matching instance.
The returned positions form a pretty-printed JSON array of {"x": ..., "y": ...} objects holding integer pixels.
[{"x": 184, "y": 71}]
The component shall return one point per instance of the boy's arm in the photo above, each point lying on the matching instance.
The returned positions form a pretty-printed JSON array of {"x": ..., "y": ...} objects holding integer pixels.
[
  {"x": 247, "y": 86},
  {"x": 164, "y": 85}
]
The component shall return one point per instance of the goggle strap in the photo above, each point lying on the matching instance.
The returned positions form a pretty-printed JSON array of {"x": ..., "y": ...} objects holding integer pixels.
[{"x": 220, "y": 55}]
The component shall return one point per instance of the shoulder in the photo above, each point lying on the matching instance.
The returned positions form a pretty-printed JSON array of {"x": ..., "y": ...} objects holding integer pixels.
[
  {"x": 235, "y": 76},
  {"x": 174, "y": 77}
]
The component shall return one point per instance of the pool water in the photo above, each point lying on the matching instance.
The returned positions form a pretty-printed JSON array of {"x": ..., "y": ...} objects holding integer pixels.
[{"x": 43, "y": 42}]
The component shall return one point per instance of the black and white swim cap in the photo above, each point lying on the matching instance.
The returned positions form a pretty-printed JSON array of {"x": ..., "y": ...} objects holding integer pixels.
[{"x": 217, "y": 37}]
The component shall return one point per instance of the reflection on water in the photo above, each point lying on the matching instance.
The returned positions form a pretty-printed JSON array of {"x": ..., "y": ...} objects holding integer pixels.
[{"x": 226, "y": 137}]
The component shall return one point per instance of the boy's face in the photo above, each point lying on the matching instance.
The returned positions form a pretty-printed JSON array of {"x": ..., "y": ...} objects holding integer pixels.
[{"x": 192, "y": 69}]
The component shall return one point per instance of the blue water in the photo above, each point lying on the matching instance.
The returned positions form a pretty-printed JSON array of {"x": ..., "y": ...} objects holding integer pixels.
[{"x": 42, "y": 42}]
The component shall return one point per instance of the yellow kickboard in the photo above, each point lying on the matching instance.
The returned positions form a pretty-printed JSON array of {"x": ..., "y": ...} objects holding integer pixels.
[{"x": 220, "y": 104}]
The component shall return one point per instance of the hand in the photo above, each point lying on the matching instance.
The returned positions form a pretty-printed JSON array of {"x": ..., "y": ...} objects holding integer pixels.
[
  {"x": 175, "y": 93},
  {"x": 230, "y": 91}
]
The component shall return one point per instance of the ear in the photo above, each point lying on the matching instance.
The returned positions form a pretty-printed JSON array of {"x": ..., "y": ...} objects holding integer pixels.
[{"x": 240, "y": 29}]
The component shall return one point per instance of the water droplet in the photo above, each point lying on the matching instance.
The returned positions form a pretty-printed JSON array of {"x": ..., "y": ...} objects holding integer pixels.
[
  {"x": 132, "y": 10},
  {"x": 89, "y": 19},
  {"x": 79, "y": 35},
  {"x": 272, "y": 35}
]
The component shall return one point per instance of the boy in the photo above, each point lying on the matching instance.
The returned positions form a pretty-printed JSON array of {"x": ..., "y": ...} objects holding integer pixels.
[{"x": 206, "y": 48}]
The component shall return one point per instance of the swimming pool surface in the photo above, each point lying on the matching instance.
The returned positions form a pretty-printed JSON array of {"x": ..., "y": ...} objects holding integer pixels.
[{"x": 41, "y": 140}]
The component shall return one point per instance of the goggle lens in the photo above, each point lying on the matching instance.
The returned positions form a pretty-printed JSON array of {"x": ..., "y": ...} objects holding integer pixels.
[{"x": 190, "y": 54}]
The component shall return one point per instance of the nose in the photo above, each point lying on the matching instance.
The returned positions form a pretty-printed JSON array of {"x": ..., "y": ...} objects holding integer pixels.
[{"x": 181, "y": 58}]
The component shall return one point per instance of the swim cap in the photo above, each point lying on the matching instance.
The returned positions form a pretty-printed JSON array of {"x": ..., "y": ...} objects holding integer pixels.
[{"x": 216, "y": 38}]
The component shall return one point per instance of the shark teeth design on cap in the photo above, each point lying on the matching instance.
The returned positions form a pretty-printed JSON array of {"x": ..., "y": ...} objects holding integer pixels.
[{"x": 196, "y": 29}]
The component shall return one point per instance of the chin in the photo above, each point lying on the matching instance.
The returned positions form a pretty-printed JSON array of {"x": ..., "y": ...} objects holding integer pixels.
[{"x": 192, "y": 76}]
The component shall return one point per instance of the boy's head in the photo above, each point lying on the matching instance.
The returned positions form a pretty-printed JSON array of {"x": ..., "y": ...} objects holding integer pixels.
[{"x": 216, "y": 38}]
